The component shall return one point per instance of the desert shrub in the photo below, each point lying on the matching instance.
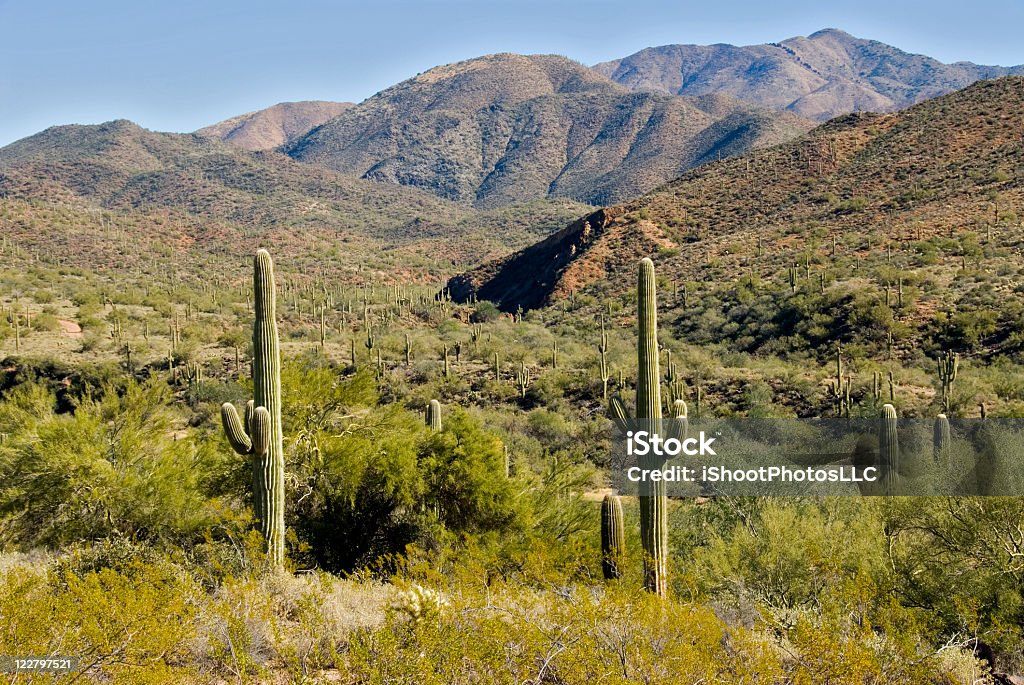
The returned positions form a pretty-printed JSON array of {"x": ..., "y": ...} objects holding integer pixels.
[
  {"x": 485, "y": 312},
  {"x": 129, "y": 626},
  {"x": 112, "y": 466}
]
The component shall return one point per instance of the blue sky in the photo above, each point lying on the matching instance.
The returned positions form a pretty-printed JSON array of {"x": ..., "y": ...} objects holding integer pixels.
[{"x": 178, "y": 66}]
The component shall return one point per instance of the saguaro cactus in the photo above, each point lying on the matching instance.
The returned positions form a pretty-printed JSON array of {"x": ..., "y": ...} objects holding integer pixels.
[
  {"x": 613, "y": 537},
  {"x": 941, "y": 436},
  {"x": 948, "y": 365},
  {"x": 653, "y": 500},
  {"x": 261, "y": 436},
  {"x": 602, "y": 349},
  {"x": 888, "y": 448},
  {"x": 433, "y": 415}
]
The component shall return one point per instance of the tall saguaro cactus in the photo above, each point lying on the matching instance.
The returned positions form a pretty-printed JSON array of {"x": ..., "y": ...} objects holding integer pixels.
[
  {"x": 613, "y": 537},
  {"x": 261, "y": 436},
  {"x": 653, "y": 499}
]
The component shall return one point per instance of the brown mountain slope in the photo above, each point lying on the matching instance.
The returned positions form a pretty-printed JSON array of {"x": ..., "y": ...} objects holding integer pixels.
[
  {"x": 274, "y": 126},
  {"x": 123, "y": 167},
  {"x": 927, "y": 180},
  {"x": 503, "y": 128},
  {"x": 821, "y": 76}
]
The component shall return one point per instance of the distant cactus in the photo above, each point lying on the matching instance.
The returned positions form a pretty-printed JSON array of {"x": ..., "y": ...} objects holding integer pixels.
[
  {"x": 523, "y": 379},
  {"x": 433, "y": 416},
  {"x": 261, "y": 436},
  {"x": 839, "y": 389},
  {"x": 948, "y": 365},
  {"x": 888, "y": 448},
  {"x": 680, "y": 420},
  {"x": 613, "y": 537},
  {"x": 653, "y": 499},
  {"x": 602, "y": 349}
]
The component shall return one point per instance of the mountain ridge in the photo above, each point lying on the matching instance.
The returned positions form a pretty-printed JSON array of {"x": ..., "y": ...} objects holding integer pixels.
[
  {"x": 494, "y": 129},
  {"x": 274, "y": 126},
  {"x": 820, "y": 76},
  {"x": 120, "y": 166}
]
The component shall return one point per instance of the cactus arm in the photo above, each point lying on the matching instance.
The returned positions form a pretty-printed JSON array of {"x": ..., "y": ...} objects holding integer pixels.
[
  {"x": 240, "y": 441},
  {"x": 260, "y": 431},
  {"x": 617, "y": 410}
]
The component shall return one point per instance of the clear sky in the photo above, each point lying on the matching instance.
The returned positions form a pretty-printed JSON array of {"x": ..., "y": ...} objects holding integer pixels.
[{"x": 177, "y": 66}]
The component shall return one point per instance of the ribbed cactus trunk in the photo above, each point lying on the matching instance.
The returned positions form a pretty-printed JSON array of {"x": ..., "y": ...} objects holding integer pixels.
[
  {"x": 433, "y": 416},
  {"x": 680, "y": 425},
  {"x": 262, "y": 435},
  {"x": 888, "y": 449},
  {"x": 613, "y": 537},
  {"x": 653, "y": 500},
  {"x": 941, "y": 437}
]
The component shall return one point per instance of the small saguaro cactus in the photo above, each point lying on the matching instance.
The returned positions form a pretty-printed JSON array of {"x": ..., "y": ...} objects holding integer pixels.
[
  {"x": 261, "y": 435},
  {"x": 653, "y": 499},
  {"x": 408, "y": 350},
  {"x": 602, "y": 349},
  {"x": 523, "y": 379},
  {"x": 941, "y": 437},
  {"x": 680, "y": 420},
  {"x": 888, "y": 448},
  {"x": 433, "y": 416},
  {"x": 613, "y": 537},
  {"x": 948, "y": 365}
]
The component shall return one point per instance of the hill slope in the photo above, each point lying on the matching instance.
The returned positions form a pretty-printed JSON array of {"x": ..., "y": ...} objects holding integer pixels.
[
  {"x": 938, "y": 187},
  {"x": 499, "y": 129},
  {"x": 274, "y": 126},
  {"x": 819, "y": 77},
  {"x": 122, "y": 167}
]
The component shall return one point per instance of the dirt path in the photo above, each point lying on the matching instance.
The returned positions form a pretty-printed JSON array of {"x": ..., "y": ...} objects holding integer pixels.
[{"x": 70, "y": 328}]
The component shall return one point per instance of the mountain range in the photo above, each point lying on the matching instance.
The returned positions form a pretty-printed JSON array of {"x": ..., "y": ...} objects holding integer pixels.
[
  {"x": 489, "y": 154},
  {"x": 820, "y": 76},
  {"x": 494, "y": 130}
]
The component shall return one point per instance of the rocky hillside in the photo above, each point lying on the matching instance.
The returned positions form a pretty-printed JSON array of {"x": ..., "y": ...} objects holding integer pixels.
[
  {"x": 275, "y": 126},
  {"x": 503, "y": 128},
  {"x": 121, "y": 167},
  {"x": 819, "y": 77},
  {"x": 939, "y": 187}
]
